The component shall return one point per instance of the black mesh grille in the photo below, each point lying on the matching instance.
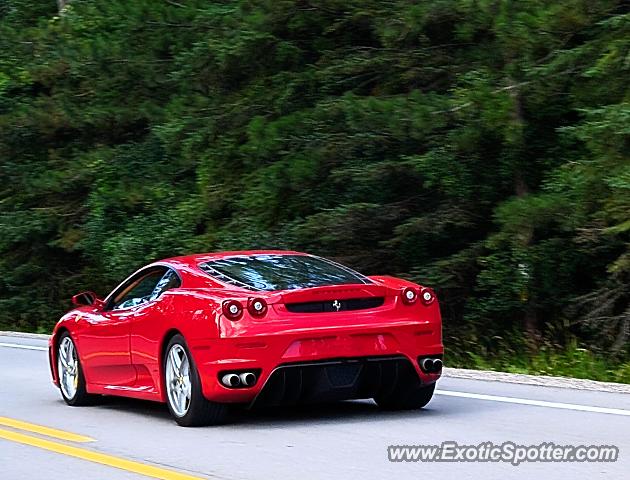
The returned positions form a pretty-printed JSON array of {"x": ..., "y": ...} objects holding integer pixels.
[
  {"x": 336, "y": 305},
  {"x": 334, "y": 380}
]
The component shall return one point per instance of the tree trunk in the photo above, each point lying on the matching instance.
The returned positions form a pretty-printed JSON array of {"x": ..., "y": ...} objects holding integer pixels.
[
  {"x": 525, "y": 236},
  {"x": 61, "y": 4}
]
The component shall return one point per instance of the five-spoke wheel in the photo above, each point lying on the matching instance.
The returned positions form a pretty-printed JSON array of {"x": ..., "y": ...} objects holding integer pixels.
[
  {"x": 71, "y": 380},
  {"x": 184, "y": 397},
  {"x": 178, "y": 387},
  {"x": 67, "y": 366}
]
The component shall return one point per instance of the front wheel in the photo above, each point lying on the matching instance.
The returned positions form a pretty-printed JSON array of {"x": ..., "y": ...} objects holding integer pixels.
[
  {"x": 406, "y": 397},
  {"x": 70, "y": 373},
  {"x": 184, "y": 397}
]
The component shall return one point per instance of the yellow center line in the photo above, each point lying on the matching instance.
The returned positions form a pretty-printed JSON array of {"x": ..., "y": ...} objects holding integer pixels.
[
  {"x": 49, "y": 432},
  {"x": 91, "y": 456}
]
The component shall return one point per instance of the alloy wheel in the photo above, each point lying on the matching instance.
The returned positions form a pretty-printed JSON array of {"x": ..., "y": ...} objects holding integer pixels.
[
  {"x": 178, "y": 386},
  {"x": 68, "y": 368}
]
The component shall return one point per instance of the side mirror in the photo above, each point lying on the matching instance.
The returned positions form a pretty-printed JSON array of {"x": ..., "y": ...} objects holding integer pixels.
[{"x": 85, "y": 298}]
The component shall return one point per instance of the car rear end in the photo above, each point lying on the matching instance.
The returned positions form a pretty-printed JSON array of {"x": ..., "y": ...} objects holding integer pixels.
[{"x": 322, "y": 343}]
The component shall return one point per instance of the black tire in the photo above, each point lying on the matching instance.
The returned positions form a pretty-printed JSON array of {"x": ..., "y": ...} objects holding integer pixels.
[
  {"x": 81, "y": 397},
  {"x": 201, "y": 411},
  {"x": 407, "y": 397}
]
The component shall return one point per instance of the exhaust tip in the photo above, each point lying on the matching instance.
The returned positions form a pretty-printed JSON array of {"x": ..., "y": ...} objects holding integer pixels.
[
  {"x": 430, "y": 365},
  {"x": 437, "y": 365},
  {"x": 427, "y": 364},
  {"x": 247, "y": 379},
  {"x": 231, "y": 380}
]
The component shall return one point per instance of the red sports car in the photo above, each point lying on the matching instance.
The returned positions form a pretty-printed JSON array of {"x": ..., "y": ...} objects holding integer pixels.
[{"x": 203, "y": 332}]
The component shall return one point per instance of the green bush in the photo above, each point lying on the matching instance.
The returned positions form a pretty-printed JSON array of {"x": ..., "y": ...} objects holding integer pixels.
[{"x": 478, "y": 147}]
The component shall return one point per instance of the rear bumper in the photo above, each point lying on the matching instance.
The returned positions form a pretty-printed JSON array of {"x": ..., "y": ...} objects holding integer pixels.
[{"x": 373, "y": 350}]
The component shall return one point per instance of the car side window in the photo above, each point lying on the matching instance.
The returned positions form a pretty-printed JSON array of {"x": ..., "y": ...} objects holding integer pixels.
[
  {"x": 168, "y": 281},
  {"x": 138, "y": 291}
]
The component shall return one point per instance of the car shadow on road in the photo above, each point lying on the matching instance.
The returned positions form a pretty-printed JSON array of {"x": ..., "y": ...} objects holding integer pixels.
[
  {"x": 135, "y": 407},
  {"x": 351, "y": 411},
  {"x": 355, "y": 411}
]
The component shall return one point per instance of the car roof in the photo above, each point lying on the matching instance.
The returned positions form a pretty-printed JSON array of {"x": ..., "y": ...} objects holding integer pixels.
[{"x": 195, "y": 259}]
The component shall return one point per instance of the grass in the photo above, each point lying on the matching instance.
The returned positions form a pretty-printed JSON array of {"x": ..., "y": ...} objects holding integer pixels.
[{"x": 570, "y": 361}]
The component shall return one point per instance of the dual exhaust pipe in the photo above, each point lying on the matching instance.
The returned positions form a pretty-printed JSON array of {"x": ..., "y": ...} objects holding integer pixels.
[
  {"x": 239, "y": 380},
  {"x": 248, "y": 379},
  {"x": 431, "y": 365}
]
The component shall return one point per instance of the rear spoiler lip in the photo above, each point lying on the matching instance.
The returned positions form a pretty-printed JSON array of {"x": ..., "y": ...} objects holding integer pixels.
[{"x": 331, "y": 292}]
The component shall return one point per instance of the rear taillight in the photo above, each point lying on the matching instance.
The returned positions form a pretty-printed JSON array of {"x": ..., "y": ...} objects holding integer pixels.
[
  {"x": 257, "y": 307},
  {"x": 232, "y": 309},
  {"x": 427, "y": 295},
  {"x": 409, "y": 295}
]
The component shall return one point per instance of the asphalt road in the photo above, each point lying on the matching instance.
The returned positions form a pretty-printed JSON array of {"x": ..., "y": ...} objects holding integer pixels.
[{"x": 347, "y": 440}]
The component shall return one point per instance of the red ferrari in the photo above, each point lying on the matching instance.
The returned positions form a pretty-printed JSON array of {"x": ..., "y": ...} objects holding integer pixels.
[{"x": 203, "y": 332}]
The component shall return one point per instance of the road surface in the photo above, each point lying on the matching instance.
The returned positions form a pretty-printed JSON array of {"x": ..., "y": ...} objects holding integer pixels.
[{"x": 128, "y": 439}]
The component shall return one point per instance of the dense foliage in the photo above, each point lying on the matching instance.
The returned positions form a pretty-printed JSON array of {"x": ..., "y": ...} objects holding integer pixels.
[{"x": 478, "y": 146}]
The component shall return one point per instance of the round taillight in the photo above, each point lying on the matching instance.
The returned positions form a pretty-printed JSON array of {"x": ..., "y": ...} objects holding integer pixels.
[
  {"x": 409, "y": 296},
  {"x": 232, "y": 309},
  {"x": 428, "y": 297},
  {"x": 257, "y": 307}
]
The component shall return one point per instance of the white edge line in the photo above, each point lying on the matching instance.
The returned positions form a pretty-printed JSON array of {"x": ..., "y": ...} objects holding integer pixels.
[
  {"x": 39, "y": 336},
  {"x": 536, "y": 403},
  {"x": 24, "y": 347}
]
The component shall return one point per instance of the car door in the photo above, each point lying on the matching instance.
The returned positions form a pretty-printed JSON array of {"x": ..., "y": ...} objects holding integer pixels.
[
  {"x": 105, "y": 333},
  {"x": 148, "y": 326}
]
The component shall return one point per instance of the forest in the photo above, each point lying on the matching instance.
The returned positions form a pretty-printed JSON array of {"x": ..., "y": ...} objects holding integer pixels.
[{"x": 481, "y": 147}]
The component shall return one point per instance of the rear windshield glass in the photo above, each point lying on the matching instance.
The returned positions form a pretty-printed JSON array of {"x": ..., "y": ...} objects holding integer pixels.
[{"x": 281, "y": 272}]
